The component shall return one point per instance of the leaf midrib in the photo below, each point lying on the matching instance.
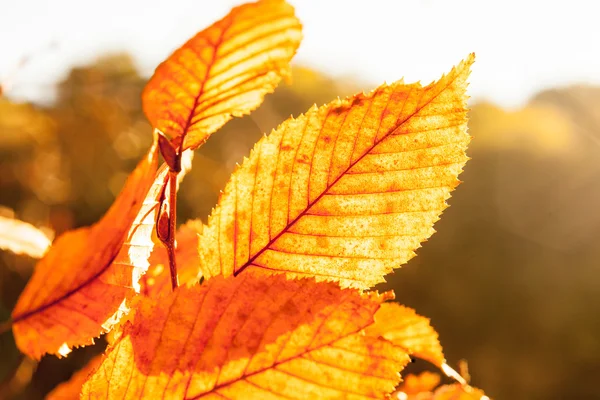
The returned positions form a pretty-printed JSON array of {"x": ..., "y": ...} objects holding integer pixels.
[
  {"x": 352, "y": 164},
  {"x": 274, "y": 365}
]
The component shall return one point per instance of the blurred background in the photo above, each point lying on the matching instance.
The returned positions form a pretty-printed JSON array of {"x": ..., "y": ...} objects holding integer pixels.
[{"x": 511, "y": 280}]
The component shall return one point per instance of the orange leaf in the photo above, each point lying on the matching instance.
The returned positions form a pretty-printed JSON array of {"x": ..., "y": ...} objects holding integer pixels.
[
  {"x": 347, "y": 191},
  {"x": 404, "y": 328},
  {"x": 250, "y": 337},
  {"x": 421, "y": 387},
  {"x": 223, "y": 71},
  {"x": 423, "y": 383},
  {"x": 71, "y": 389},
  {"x": 22, "y": 238},
  {"x": 77, "y": 292},
  {"x": 158, "y": 280}
]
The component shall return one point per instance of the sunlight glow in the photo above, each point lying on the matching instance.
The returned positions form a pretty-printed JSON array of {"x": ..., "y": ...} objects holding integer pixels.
[
  {"x": 136, "y": 275},
  {"x": 64, "y": 350},
  {"x": 402, "y": 396},
  {"x": 527, "y": 59},
  {"x": 113, "y": 319}
]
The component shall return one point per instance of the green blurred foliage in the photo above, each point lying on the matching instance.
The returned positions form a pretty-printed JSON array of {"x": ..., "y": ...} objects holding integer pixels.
[{"x": 510, "y": 279}]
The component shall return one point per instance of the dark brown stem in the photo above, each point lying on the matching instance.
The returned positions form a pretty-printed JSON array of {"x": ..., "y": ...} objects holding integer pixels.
[
  {"x": 170, "y": 244},
  {"x": 166, "y": 221}
]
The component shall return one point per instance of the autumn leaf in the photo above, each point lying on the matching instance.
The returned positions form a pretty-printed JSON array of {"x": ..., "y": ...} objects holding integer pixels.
[
  {"x": 423, "y": 387},
  {"x": 22, "y": 238},
  {"x": 347, "y": 191},
  {"x": 251, "y": 336},
  {"x": 71, "y": 389},
  {"x": 416, "y": 387},
  {"x": 405, "y": 328},
  {"x": 223, "y": 71},
  {"x": 79, "y": 287},
  {"x": 157, "y": 280},
  {"x": 141, "y": 242}
]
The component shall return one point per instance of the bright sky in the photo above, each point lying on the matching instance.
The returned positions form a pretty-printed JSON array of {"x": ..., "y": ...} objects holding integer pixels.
[{"x": 522, "y": 46}]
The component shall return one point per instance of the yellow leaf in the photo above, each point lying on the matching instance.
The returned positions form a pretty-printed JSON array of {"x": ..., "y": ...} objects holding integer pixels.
[
  {"x": 22, "y": 238},
  {"x": 223, "y": 71},
  {"x": 251, "y": 337},
  {"x": 405, "y": 328},
  {"x": 77, "y": 292},
  {"x": 347, "y": 191}
]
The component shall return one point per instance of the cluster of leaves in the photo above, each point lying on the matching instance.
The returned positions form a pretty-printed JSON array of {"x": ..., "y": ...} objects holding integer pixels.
[{"x": 271, "y": 298}]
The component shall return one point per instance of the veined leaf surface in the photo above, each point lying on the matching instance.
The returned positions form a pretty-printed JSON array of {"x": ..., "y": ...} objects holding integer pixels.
[
  {"x": 78, "y": 289},
  {"x": 405, "y": 328},
  {"x": 223, "y": 71},
  {"x": 347, "y": 191},
  {"x": 251, "y": 337}
]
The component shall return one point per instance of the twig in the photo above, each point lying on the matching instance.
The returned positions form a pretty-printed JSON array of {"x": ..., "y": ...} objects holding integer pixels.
[
  {"x": 172, "y": 225},
  {"x": 167, "y": 219}
]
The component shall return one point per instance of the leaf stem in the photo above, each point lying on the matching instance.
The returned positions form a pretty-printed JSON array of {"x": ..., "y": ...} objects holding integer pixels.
[
  {"x": 170, "y": 244},
  {"x": 166, "y": 222}
]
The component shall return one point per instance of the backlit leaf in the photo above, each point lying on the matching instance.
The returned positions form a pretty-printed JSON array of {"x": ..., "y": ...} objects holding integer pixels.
[
  {"x": 77, "y": 292},
  {"x": 405, "y": 328},
  {"x": 422, "y": 387},
  {"x": 346, "y": 191},
  {"x": 418, "y": 387},
  {"x": 251, "y": 337},
  {"x": 22, "y": 238},
  {"x": 223, "y": 71}
]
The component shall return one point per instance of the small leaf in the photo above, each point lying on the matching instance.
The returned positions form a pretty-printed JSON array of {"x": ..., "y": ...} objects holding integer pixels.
[
  {"x": 415, "y": 385},
  {"x": 169, "y": 153},
  {"x": 422, "y": 387},
  {"x": 347, "y": 191},
  {"x": 405, "y": 328},
  {"x": 223, "y": 71},
  {"x": 22, "y": 238},
  {"x": 78, "y": 289},
  {"x": 251, "y": 337}
]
